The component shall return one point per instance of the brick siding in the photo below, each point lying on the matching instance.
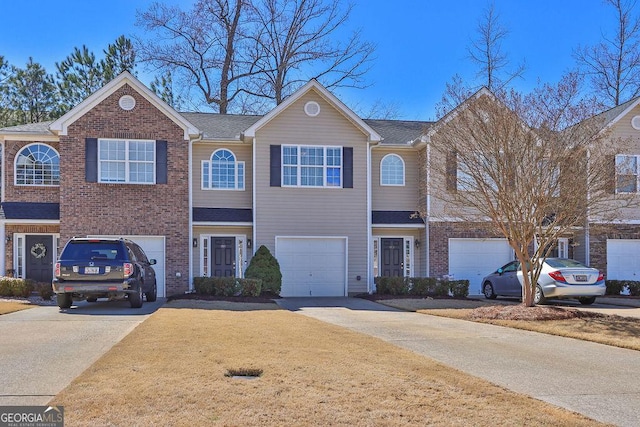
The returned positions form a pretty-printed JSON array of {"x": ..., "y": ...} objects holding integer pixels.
[{"x": 128, "y": 209}]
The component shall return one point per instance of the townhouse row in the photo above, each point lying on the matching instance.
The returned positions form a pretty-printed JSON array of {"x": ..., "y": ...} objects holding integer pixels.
[{"x": 332, "y": 195}]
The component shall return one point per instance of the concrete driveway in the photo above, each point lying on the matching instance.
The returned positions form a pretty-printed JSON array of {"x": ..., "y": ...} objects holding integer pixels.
[
  {"x": 596, "y": 380},
  {"x": 43, "y": 349}
]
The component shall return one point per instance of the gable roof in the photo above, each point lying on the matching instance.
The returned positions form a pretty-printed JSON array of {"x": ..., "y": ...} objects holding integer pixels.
[
  {"x": 372, "y": 135},
  {"x": 60, "y": 125},
  {"x": 615, "y": 114},
  {"x": 483, "y": 91},
  {"x": 214, "y": 126}
]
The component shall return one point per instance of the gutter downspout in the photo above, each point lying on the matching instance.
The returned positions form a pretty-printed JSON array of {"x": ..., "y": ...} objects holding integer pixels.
[{"x": 190, "y": 186}]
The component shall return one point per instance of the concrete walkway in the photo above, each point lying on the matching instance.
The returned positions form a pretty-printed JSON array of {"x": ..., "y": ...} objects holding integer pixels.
[
  {"x": 43, "y": 349},
  {"x": 599, "y": 381}
]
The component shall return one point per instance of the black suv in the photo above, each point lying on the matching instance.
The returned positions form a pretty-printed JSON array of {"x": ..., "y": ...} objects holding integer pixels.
[{"x": 103, "y": 268}]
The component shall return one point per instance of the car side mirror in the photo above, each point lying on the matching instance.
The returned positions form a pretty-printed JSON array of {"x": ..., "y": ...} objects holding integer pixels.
[
  {"x": 152, "y": 262},
  {"x": 500, "y": 271}
]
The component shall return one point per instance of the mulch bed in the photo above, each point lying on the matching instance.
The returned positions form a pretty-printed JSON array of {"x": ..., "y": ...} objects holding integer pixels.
[
  {"x": 266, "y": 298},
  {"x": 520, "y": 312}
]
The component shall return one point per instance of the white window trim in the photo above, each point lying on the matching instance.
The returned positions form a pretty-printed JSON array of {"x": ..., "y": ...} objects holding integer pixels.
[
  {"x": 127, "y": 162},
  {"x": 209, "y": 162},
  {"x": 404, "y": 169},
  {"x": 324, "y": 166},
  {"x": 637, "y": 174},
  {"x": 15, "y": 167}
]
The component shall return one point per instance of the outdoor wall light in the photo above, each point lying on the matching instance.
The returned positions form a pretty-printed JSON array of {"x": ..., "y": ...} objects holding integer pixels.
[
  {"x": 249, "y": 243},
  {"x": 417, "y": 243},
  {"x": 195, "y": 242},
  {"x": 7, "y": 239}
]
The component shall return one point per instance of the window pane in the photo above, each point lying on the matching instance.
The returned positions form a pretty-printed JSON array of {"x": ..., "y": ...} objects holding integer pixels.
[
  {"x": 290, "y": 155},
  {"x": 205, "y": 174},
  {"x": 38, "y": 164},
  {"x": 290, "y": 175},
  {"x": 312, "y": 156},
  {"x": 392, "y": 171},
  {"x": 626, "y": 174},
  {"x": 311, "y": 176},
  {"x": 333, "y": 177}
]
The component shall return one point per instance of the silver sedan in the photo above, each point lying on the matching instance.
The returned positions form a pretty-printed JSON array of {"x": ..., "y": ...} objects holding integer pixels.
[{"x": 559, "y": 278}]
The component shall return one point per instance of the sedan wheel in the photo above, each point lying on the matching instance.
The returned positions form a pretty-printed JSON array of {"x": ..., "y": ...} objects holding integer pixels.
[
  {"x": 587, "y": 300},
  {"x": 488, "y": 291},
  {"x": 538, "y": 297}
]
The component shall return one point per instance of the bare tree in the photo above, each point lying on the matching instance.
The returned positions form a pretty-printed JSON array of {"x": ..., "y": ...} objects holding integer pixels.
[
  {"x": 236, "y": 51},
  {"x": 299, "y": 38},
  {"x": 486, "y": 51},
  {"x": 205, "y": 47},
  {"x": 533, "y": 167},
  {"x": 613, "y": 65}
]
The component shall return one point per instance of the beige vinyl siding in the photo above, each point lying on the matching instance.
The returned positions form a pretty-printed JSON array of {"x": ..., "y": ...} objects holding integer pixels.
[
  {"x": 335, "y": 212},
  {"x": 393, "y": 197},
  {"x": 221, "y": 198},
  {"x": 198, "y": 231},
  {"x": 630, "y": 144}
]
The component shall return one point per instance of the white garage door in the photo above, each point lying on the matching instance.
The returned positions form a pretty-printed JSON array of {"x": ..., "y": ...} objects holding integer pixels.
[
  {"x": 153, "y": 247},
  {"x": 472, "y": 259},
  {"x": 623, "y": 259},
  {"x": 312, "y": 266}
]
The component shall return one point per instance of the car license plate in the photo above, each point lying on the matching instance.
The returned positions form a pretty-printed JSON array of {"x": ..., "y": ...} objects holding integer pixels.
[
  {"x": 91, "y": 270},
  {"x": 581, "y": 277}
]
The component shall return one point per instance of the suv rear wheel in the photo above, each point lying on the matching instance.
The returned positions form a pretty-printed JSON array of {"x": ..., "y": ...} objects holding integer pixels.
[
  {"x": 152, "y": 295},
  {"x": 135, "y": 299},
  {"x": 64, "y": 300}
]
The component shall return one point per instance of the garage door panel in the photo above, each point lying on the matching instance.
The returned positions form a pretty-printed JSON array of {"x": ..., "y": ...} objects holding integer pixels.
[
  {"x": 312, "y": 266},
  {"x": 623, "y": 259},
  {"x": 472, "y": 259}
]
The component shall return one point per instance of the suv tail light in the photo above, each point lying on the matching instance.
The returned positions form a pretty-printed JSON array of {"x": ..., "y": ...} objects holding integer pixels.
[
  {"x": 557, "y": 276},
  {"x": 57, "y": 270},
  {"x": 127, "y": 269}
]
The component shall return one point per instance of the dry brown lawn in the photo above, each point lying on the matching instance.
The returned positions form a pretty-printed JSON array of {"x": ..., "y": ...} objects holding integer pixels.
[
  {"x": 173, "y": 370},
  {"x": 566, "y": 322},
  {"x": 7, "y": 307}
]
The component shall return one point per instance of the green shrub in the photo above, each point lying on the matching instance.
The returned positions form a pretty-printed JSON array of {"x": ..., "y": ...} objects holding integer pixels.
[
  {"x": 265, "y": 266},
  {"x": 203, "y": 285},
  {"x": 614, "y": 287},
  {"x": 250, "y": 287},
  {"x": 423, "y": 286},
  {"x": 227, "y": 286},
  {"x": 12, "y": 287},
  {"x": 441, "y": 289},
  {"x": 392, "y": 286},
  {"x": 459, "y": 288},
  {"x": 45, "y": 290}
]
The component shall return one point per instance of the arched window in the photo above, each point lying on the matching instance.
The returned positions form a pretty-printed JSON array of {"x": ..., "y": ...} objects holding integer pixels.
[
  {"x": 392, "y": 170},
  {"x": 222, "y": 171},
  {"x": 37, "y": 164}
]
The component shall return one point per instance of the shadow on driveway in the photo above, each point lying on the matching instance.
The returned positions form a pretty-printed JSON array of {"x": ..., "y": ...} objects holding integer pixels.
[{"x": 112, "y": 308}]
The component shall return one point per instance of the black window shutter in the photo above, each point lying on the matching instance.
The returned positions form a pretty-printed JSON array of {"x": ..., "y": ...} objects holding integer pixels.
[
  {"x": 347, "y": 172},
  {"x": 275, "y": 165},
  {"x": 91, "y": 159},
  {"x": 161, "y": 162}
]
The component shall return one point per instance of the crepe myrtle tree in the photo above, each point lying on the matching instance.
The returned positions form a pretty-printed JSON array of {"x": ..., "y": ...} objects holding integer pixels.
[{"x": 533, "y": 166}]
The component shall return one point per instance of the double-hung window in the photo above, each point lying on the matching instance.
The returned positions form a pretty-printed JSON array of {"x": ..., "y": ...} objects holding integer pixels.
[
  {"x": 311, "y": 166},
  {"x": 126, "y": 161},
  {"x": 222, "y": 172},
  {"x": 627, "y": 173}
]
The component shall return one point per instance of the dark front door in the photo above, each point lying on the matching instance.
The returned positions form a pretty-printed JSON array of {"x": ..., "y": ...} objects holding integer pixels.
[
  {"x": 39, "y": 258},
  {"x": 223, "y": 262},
  {"x": 392, "y": 265}
]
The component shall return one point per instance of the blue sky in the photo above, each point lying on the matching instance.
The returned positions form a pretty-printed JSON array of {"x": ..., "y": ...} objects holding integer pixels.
[{"x": 421, "y": 44}]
